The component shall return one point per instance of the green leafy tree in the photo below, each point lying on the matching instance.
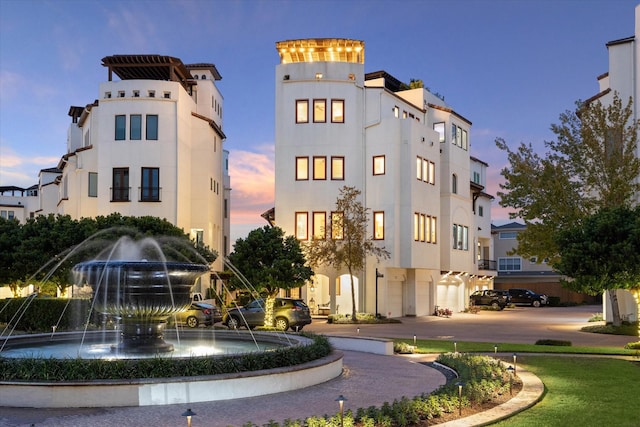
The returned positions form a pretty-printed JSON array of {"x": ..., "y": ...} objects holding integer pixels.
[
  {"x": 345, "y": 243},
  {"x": 269, "y": 261},
  {"x": 591, "y": 165},
  {"x": 602, "y": 254}
]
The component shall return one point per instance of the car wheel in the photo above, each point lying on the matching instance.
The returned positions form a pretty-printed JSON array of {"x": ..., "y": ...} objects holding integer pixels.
[
  {"x": 495, "y": 305},
  {"x": 536, "y": 303},
  {"x": 192, "y": 322},
  {"x": 233, "y": 323},
  {"x": 282, "y": 324}
]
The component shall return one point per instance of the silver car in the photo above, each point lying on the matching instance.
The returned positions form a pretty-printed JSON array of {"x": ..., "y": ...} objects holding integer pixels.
[{"x": 200, "y": 313}]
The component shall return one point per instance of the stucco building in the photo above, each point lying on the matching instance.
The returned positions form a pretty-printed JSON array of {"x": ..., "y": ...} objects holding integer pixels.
[
  {"x": 151, "y": 143},
  {"x": 407, "y": 151}
]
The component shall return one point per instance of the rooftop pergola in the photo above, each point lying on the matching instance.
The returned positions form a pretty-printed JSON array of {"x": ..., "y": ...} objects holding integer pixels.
[{"x": 148, "y": 67}]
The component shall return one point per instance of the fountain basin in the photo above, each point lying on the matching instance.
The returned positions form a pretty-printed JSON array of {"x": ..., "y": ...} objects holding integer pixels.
[{"x": 165, "y": 391}]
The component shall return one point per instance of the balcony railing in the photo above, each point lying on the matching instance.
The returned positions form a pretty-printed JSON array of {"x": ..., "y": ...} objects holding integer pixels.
[
  {"x": 487, "y": 264},
  {"x": 120, "y": 194},
  {"x": 149, "y": 194}
]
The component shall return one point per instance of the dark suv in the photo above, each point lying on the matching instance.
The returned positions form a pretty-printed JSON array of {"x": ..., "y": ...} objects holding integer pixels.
[
  {"x": 527, "y": 297},
  {"x": 497, "y": 299},
  {"x": 289, "y": 313}
]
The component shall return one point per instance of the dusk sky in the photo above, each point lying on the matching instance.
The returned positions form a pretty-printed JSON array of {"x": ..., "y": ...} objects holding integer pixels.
[{"x": 510, "y": 67}]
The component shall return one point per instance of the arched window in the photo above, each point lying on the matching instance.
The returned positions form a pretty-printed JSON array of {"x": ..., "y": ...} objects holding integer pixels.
[
  {"x": 196, "y": 77},
  {"x": 454, "y": 183},
  {"x": 204, "y": 77}
]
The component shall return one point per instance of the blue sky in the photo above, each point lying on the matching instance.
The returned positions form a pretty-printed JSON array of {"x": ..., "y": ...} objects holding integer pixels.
[{"x": 511, "y": 67}]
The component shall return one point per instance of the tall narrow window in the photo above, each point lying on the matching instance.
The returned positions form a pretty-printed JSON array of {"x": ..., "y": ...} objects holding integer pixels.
[
  {"x": 465, "y": 140},
  {"x": 150, "y": 189},
  {"x": 396, "y": 111},
  {"x": 135, "y": 127},
  {"x": 454, "y": 183},
  {"x": 419, "y": 168},
  {"x": 434, "y": 230},
  {"x": 416, "y": 226},
  {"x": 378, "y": 225},
  {"x": 425, "y": 170},
  {"x": 432, "y": 173},
  {"x": 302, "y": 168},
  {"x": 152, "y": 126},
  {"x": 302, "y": 225},
  {"x": 427, "y": 232},
  {"x": 337, "y": 111},
  {"x": 378, "y": 165},
  {"x": 439, "y": 127},
  {"x": 320, "y": 168},
  {"x": 319, "y": 225},
  {"x": 120, "y": 188},
  {"x": 302, "y": 111},
  {"x": 422, "y": 227},
  {"x": 319, "y": 110},
  {"x": 337, "y": 168},
  {"x": 93, "y": 184},
  {"x": 121, "y": 127},
  {"x": 337, "y": 225}
]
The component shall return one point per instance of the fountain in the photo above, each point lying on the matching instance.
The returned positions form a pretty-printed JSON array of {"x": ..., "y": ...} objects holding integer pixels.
[{"x": 135, "y": 286}]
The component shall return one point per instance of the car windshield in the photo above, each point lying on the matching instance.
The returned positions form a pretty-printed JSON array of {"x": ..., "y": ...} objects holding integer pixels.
[{"x": 201, "y": 306}]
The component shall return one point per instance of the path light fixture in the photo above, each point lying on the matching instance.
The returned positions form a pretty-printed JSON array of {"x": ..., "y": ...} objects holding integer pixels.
[
  {"x": 188, "y": 413},
  {"x": 460, "y": 384},
  {"x": 414, "y": 340},
  {"x": 455, "y": 347},
  {"x": 511, "y": 370},
  {"x": 515, "y": 366},
  {"x": 341, "y": 399},
  {"x": 495, "y": 349},
  {"x": 378, "y": 276}
]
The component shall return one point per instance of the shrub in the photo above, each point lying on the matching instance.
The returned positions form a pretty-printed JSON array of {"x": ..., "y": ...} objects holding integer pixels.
[
  {"x": 633, "y": 345},
  {"x": 554, "y": 342}
]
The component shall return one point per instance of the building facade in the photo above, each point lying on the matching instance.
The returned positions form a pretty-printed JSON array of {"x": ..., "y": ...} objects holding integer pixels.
[
  {"x": 151, "y": 144},
  {"x": 407, "y": 151}
]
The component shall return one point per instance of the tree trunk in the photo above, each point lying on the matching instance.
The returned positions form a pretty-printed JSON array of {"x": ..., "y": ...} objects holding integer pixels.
[
  {"x": 354, "y": 318},
  {"x": 615, "y": 309}
]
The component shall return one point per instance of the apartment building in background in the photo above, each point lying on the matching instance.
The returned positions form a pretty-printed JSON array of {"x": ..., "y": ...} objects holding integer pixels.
[
  {"x": 407, "y": 151},
  {"x": 150, "y": 144}
]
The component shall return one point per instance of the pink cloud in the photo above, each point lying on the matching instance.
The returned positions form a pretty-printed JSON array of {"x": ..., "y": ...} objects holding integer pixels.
[{"x": 252, "y": 185}]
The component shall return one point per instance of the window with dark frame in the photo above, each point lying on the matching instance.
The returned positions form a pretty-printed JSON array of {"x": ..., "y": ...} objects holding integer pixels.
[
  {"x": 378, "y": 165},
  {"x": 121, "y": 127},
  {"x": 120, "y": 185},
  {"x": 337, "y": 225},
  {"x": 302, "y": 111},
  {"x": 319, "y": 225},
  {"x": 93, "y": 184},
  {"x": 378, "y": 225},
  {"x": 135, "y": 127},
  {"x": 319, "y": 168},
  {"x": 150, "y": 188},
  {"x": 152, "y": 127},
  {"x": 302, "y": 226},
  {"x": 319, "y": 111},
  {"x": 337, "y": 168},
  {"x": 302, "y": 168},
  {"x": 337, "y": 111}
]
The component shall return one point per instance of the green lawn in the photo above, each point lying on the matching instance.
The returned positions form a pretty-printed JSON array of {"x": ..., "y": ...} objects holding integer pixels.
[{"x": 579, "y": 390}]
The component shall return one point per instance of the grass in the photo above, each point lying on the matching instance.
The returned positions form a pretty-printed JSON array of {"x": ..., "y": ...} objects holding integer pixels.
[{"x": 582, "y": 391}]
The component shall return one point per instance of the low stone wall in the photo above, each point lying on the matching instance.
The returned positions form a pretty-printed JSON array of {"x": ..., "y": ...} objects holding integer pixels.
[{"x": 363, "y": 344}]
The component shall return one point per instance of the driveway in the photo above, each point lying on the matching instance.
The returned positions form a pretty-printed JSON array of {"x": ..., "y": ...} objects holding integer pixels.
[{"x": 516, "y": 325}]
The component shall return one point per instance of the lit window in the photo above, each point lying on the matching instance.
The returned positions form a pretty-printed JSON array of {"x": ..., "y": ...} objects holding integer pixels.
[
  {"x": 433, "y": 229},
  {"x": 319, "y": 224},
  {"x": 302, "y": 225},
  {"x": 465, "y": 140},
  {"x": 378, "y": 165},
  {"x": 378, "y": 225},
  {"x": 319, "y": 168},
  {"x": 396, "y": 111},
  {"x": 337, "y": 168},
  {"x": 337, "y": 225},
  {"x": 93, "y": 184},
  {"x": 416, "y": 226},
  {"x": 427, "y": 225},
  {"x": 422, "y": 227},
  {"x": 318, "y": 76},
  {"x": 152, "y": 126},
  {"x": 302, "y": 168},
  {"x": 337, "y": 111},
  {"x": 432, "y": 173},
  {"x": 460, "y": 237},
  {"x": 135, "y": 131},
  {"x": 302, "y": 111},
  {"x": 425, "y": 170},
  {"x": 319, "y": 110},
  {"x": 121, "y": 127},
  {"x": 419, "y": 168},
  {"x": 150, "y": 188}
]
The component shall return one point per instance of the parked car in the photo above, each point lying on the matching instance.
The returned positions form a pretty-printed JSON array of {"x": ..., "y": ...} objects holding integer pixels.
[
  {"x": 497, "y": 299},
  {"x": 527, "y": 297},
  {"x": 289, "y": 313},
  {"x": 200, "y": 313}
]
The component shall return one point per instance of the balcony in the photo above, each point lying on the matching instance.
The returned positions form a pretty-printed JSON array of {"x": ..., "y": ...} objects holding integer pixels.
[
  {"x": 487, "y": 264},
  {"x": 120, "y": 194},
  {"x": 149, "y": 194}
]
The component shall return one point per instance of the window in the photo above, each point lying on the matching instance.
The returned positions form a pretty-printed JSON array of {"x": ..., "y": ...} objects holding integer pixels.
[
  {"x": 136, "y": 94},
  {"x": 319, "y": 168},
  {"x": 151, "y": 94},
  {"x": 476, "y": 177},
  {"x": 337, "y": 168},
  {"x": 167, "y": 95},
  {"x": 454, "y": 183},
  {"x": 150, "y": 190},
  {"x": 337, "y": 225},
  {"x": 302, "y": 225},
  {"x": 396, "y": 111},
  {"x": 319, "y": 224},
  {"x": 302, "y": 168},
  {"x": 337, "y": 111},
  {"x": 93, "y": 184},
  {"x": 428, "y": 230},
  {"x": 508, "y": 235},
  {"x": 121, "y": 127},
  {"x": 302, "y": 111},
  {"x": 319, "y": 110},
  {"x": 459, "y": 137},
  {"x": 432, "y": 173},
  {"x": 465, "y": 140},
  {"x": 480, "y": 210},
  {"x": 510, "y": 264},
  {"x": 419, "y": 168},
  {"x": 378, "y": 225},
  {"x": 135, "y": 126},
  {"x": 120, "y": 189},
  {"x": 120, "y": 94},
  {"x": 425, "y": 170},
  {"x": 460, "y": 237},
  {"x": 416, "y": 226},
  {"x": 107, "y": 95},
  {"x": 423, "y": 217},
  {"x": 378, "y": 165},
  {"x": 152, "y": 126},
  {"x": 433, "y": 229},
  {"x": 439, "y": 127}
]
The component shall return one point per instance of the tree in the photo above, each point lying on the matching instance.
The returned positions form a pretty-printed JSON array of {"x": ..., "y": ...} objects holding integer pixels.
[
  {"x": 592, "y": 165},
  {"x": 602, "y": 254},
  {"x": 268, "y": 261},
  {"x": 345, "y": 242}
]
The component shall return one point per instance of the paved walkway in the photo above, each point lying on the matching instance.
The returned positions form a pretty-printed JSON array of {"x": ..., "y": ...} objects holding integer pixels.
[{"x": 367, "y": 379}]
